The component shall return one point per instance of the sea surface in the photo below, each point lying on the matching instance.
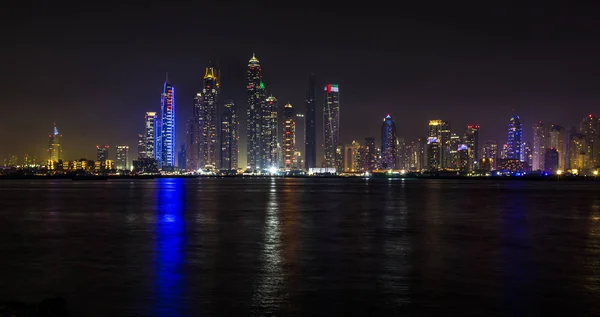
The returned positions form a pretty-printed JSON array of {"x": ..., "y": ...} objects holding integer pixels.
[{"x": 303, "y": 247}]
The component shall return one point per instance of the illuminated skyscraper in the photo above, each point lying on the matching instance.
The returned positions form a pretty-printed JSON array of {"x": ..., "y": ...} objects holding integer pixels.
[
  {"x": 590, "y": 128},
  {"x": 289, "y": 136},
  {"x": 440, "y": 130},
  {"x": 310, "y": 132},
  {"x": 558, "y": 140},
  {"x": 255, "y": 94},
  {"x": 269, "y": 134},
  {"x": 455, "y": 142},
  {"x": 389, "y": 143},
  {"x": 122, "y": 161},
  {"x": 472, "y": 140},
  {"x": 370, "y": 155},
  {"x": 331, "y": 124},
  {"x": 538, "y": 152},
  {"x": 55, "y": 150},
  {"x": 514, "y": 149},
  {"x": 434, "y": 156},
  {"x": 300, "y": 140},
  {"x": 208, "y": 119},
  {"x": 102, "y": 153},
  {"x": 167, "y": 125},
  {"x": 229, "y": 137},
  {"x": 151, "y": 135},
  {"x": 578, "y": 151},
  {"x": 490, "y": 152},
  {"x": 141, "y": 146}
]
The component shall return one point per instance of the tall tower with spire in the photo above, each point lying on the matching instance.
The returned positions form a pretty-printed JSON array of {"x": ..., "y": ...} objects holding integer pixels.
[
  {"x": 167, "y": 126},
  {"x": 207, "y": 120},
  {"x": 255, "y": 99}
]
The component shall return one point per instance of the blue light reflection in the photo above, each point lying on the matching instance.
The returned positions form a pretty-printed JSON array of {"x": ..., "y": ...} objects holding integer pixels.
[{"x": 170, "y": 239}]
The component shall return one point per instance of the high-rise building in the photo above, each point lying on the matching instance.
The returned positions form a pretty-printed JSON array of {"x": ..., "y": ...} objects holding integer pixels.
[
  {"x": 102, "y": 153},
  {"x": 389, "y": 143},
  {"x": 255, "y": 93},
  {"x": 504, "y": 152},
  {"x": 229, "y": 136},
  {"x": 455, "y": 142},
  {"x": 300, "y": 138},
  {"x": 269, "y": 136},
  {"x": 167, "y": 127},
  {"x": 434, "y": 156},
  {"x": 192, "y": 137},
  {"x": 558, "y": 140},
  {"x": 440, "y": 130},
  {"x": 331, "y": 124},
  {"x": 515, "y": 140},
  {"x": 551, "y": 158},
  {"x": 527, "y": 155},
  {"x": 55, "y": 151},
  {"x": 289, "y": 136},
  {"x": 490, "y": 153},
  {"x": 538, "y": 151},
  {"x": 151, "y": 135},
  {"x": 578, "y": 151},
  {"x": 122, "y": 161},
  {"x": 181, "y": 159},
  {"x": 370, "y": 155},
  {"x": 472, "y": 141},
  {"x": 310, "y": 130},
  {"x": 358, "y": 164},
  {"x": 207, "y": 125},
  {"x": 464, "y": 159},
  {"x": 590, "y": 128},
  {"x": 141, "y": 146}
]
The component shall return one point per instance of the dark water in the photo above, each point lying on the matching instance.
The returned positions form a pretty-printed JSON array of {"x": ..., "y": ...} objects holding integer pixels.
[{"x": 311, "y": 247}]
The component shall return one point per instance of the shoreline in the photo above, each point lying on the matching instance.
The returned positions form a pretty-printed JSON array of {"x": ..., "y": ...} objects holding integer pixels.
[{"x": 373, "y": 177}]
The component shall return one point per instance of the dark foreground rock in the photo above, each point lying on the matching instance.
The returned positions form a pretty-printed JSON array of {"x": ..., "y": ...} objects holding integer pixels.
[{"x": 51, "y": 307}]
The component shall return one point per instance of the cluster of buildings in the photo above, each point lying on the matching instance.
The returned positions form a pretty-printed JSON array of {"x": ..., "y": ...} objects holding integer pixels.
[{"x": 211, "y": 144}]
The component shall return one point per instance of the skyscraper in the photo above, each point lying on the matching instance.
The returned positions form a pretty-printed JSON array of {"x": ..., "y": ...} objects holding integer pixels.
[
  {"x": 269, "y": 135},
  {"x": 370, "y": 155},
  {"x": 472, "y": 141},
  {"x": 440, "y": 130},
  {"x": 255, "y": 95},
  {"x": 310, "y": 142},
  {"x": 102, "y": 153},
  {"x": 151, "y": 135},
  {"x": 207, "y": 123},
  {"x": 122, "y": 160},
  {"x": 590, "y": 128},
  {"x": 538, "y": 151},
  {"x": 331, "y": 124},
  {"x": 167, "y": 124},
  {"x": 490, "y": 152},
  {"x": 192, "y": 137},
  {"x": 229, "y": 137},
  {"x": 289, "y": 136},
  {"x": 141, "y": 146},
  {"x": 55, "y": 150},
  {"x": 389, "y": 143},
  {"x": 558, "y": 140},
  {"x": 514, "y": 149},
  {"x": 300, "y": 140}
]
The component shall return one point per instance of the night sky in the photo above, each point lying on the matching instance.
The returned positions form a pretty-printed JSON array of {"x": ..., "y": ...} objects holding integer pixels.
[{"x": 95, "y": 71}]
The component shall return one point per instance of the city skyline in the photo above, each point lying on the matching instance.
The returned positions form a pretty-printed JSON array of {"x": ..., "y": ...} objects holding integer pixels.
[{"x": 463, "y": 82}]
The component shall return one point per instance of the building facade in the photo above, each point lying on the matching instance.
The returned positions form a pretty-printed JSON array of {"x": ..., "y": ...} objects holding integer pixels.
[
  {"x": 310, "y": 128},
  {"x": 538, "y": 150},
  {"x": 208, "y": 142},
  {"x": 255, "y": 101},
  {"x": 331, "y": 125},
  {"x": 471, "y": 139},
  {"x": 389, "y": 143},
  {"x": 289, "y": 137},
  {"x": 229, "y": 136},
  {"x": 55, "y": 151},
  {"x": 151, "y": 135},
  {"x": 122, "y": 161},
  {"x": 167, "y": 127},
  {"x": 514, "y": 150}
]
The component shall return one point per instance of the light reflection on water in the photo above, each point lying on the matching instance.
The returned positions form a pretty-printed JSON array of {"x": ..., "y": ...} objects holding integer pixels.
[{"x": 303, "y": 247}]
